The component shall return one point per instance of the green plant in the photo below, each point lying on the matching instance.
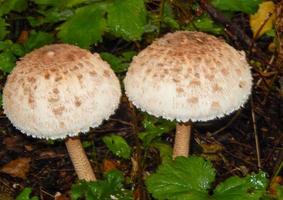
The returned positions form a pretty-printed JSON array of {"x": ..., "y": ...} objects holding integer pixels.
[
  {"x": 109, "y": 188},
  {"x": 154, "y": 128},
  {"x": 118, "y": 146},
  {"x": 191, "y": 179},
  {"x": 25, "y": 195}
]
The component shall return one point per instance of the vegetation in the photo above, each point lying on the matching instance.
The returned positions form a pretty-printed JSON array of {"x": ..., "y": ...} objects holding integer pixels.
[{"x": 134, "y": 149}]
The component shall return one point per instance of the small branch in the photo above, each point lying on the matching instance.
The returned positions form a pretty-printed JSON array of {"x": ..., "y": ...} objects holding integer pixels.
[
  {"x": 255, "y": 134},
  {"x": 161, "y": 13},
  {"x": 235, "y": 32},
  {"x": 137, "y": 156},
  {"x": 228, "y": 124}
]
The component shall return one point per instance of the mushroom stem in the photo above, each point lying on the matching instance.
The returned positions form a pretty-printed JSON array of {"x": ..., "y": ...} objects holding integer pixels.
[
  {"x": 182, "y": 140},
  {"x": 79, "y": 159}
]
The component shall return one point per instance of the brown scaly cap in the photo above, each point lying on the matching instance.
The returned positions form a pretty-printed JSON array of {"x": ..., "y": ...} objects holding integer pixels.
[
  {"x": 189, "y": 76},
  {"x": 60, "y": 90}
]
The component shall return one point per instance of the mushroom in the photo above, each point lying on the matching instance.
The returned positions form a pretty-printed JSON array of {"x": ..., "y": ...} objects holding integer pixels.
[
  {"x": 58, "y": 91},
  {"x": 187, "y": 77}
]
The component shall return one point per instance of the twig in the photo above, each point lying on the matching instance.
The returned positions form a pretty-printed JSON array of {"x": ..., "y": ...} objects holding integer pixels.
[
  {"x": 233, "y": 30},
  {"x": 258, "y": 32},
  {"x": 255, "y": 134},
  {"x": 228, "y": 124},
  {"x": 267, "y": 68},
  {"x": 139, "y": 170},
  {"x": 161, "y": 13}
]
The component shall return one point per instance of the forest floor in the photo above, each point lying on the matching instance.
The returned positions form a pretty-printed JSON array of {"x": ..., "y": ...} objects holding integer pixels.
[{"x": 229, "y": 142}]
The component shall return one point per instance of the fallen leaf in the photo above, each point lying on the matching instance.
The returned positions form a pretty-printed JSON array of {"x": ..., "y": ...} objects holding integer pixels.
[
  {"x": 13, "y": 143},
  {"x": 211, "y": 148},
  {"x": 278, "y": 180},
  {"x": 109, "y": 165},
  {"x": 17, "y": 168},
  {"x": 264, "y": 15},
  {"x": 5, "y": 196},
  {"x": 23, "y": 37},
  {"x": 59, "y": 196}
]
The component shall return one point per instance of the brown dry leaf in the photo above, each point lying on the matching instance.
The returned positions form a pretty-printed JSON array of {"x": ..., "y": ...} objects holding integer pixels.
[
  {"x": 211, "y": 148},
  {"x": 17, "y": 168},
  {"x": 59, "y": 196},
  {"x": 212, "y": 157},
  {"x": 23, "y": 37},
  {"x": 5, "y": 196},
  {"x": 109, "y": 165}
]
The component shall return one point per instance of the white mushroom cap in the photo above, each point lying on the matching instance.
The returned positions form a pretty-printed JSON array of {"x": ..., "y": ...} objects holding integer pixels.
[
  {"x": 60, "y": 90},
  {"x": 189, "y": 76}
]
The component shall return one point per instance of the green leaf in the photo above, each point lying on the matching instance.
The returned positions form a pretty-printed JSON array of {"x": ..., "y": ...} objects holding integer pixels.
[
  {"x": 154, "y": 128},
  {"x": 56, "y": 3},
  {"x": 7, "y": 61},
  {"x": 119, "y": 64},
  {"x": 169, "y": 18},
  {"x": 3, "y": 29},
  {"x": 12, "y": 5},
  {"x": 118, "y": 146},
  {"x": 127, "y": 18},
  {"x": 109, "y": 188},
  {"x": 182, "y": 179},
  {"x": 204, "y": 23},
  {"x": 17, "y": 49},
  {"x": 165, "y": 151},
  {"x": 85, "y": 27},
  {"x": 1, "y": 99},
  {"x": 38, "y": 39},
  {"x": 52, "y": 16},
  {"x": 48, "y": 2},
  {"x": 25, "y": 195},
  {"x": 6, "y": 44},
  {"x": 235, "y": 188},
  {"x": 245, "y": 6}
]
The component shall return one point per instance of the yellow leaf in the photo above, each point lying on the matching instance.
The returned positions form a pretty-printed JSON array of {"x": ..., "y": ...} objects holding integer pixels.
[{"x": 264, "y": 17}]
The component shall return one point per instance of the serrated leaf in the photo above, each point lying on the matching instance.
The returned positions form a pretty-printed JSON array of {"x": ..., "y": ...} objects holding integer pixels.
[
  {"x": 235, "y": 188},
  {"x": 165, "y": 151},
  {"x": 38, "y": 39},
  {"x": 56, "y": 3},
  {"x": 183, "y": 178},
  {"x": 118, "y": 64},
  {"x": 264, "y": 17},
  {"x": 12, "y": 5},
  {"x": 3, "y": 29},
  {"x": 118, "y": 146},
  {"x": 169, "y": 18},
  {"x": 109, "y": 188},
  {"x": 47, "y": 2},
  {"x": 17, "y": 49},
  {"x": 52, "y": 15},
  {"x": 7, "y": 61},
  {"x": 245, "y": 6},
  {"x": 154, "y": 128},
  {"x": 25, "y": 195},
  {"x": 85, "y": 27},
  {"x": 204, "y": 23},
  {"x": 5, "y": 44},
  {"x": 127, "y": 18}
]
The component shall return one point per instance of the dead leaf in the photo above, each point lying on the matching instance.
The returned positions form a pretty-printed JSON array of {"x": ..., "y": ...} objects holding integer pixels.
[
  {"x": 23, "y": 37},
  {"x": 17, "y": 168},
  {"x": 13, "y": 143},
  {"x": 5, "y": 196},
  {"x": 109, "y": 165},
  {"x": 265, "y": 16},
  {"x": 59, "y": 196},
  {"x": 211, "y": 148}
]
